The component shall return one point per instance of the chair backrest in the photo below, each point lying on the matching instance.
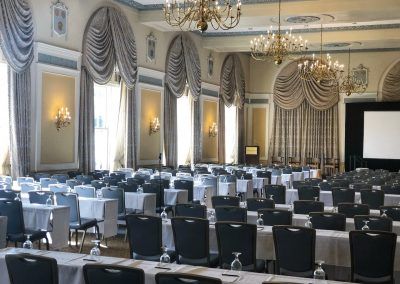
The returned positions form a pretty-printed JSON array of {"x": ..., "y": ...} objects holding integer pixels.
[
  {"x": 119, "y": 176},
  {"x": 144, "y": 235},
  {"x": 325, "y": 186},
  {"x": 73, "y": 174},
  {"x": 27, "y": 268},
  {"x": 376, "y": 223},
  {"x": 340, "y": 183},
  {"x": 40, "y": 197},
  {"x": 58, "y": 188},
  {"x": 84, "y": 179},
  {"x": 328, "y": 221},
  {"x": 231, "y": 214},
  {"x": 343, "y": 195},
  {"x": 236, "y": 237},
  {"x": 307, "y": 206},
  {"x": 85, "y": 191},
  {"x": 26, "y": 187},
  {"x": 264, "y": 174},
  {"x": 98, "y": 184},
  {"x": 71, "y": 200},
  {"x": 189, "y": 231},
  {"x": 313, "y": 181},
  {"x": 298, "y": 183},
  {"x": 227, "y": 178},
  {"x": 391, "y": 189},
  {"x": 38, "y": 176},
  {"x": 137, "y": 181},
  {"x": 142, "y": 176},
  {"x": 289, "y": 239},
  {"x": 278, "y": 192},
  {"x": 25, "y": 180},
  {"x": 308, "y": 192},
  {"x": 184, "y": 278},
  {"x": 374, "y": 198},
  {"x": 352, "y": 209},
  {"x": 15, "y": 217},
  {"x": 45, "y": 182},
  {"x": 224, "y": 200},
  {"x": 253, "y": 204},
  {"x": 111, "y": 181},
  {"x": 185, "y": 184},
  {"x": 115, "y": 193},
  {"x": 372, "y": 256},
  {"x": 105, "y": 274},
  {"x": 392, "y": 212},
  {"x": 272, "y": 217},
  {"x": 7, "y": 194},
  {"x": 359, "y": 186},
  {"x": 128, "y": 187},
  {"x": 61, "y": 178},
  {"x": 127, "y": 171},
  {"x": 155, "y": 188},
  {"x": 164, "y": 183},
  {"x": 191, "y": 210},
  {"x": 72, "y": 183}
]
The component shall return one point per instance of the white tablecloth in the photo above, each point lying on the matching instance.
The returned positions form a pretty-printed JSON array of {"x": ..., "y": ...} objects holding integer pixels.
[
  {"x": 3, "y": 231},
  {"x": 227, "y": 188},
  {"x": 200, "y": 190},
  {"x": 174, "y": 196},
  {"x": 298, "y": 176},
  {"x": 143, "y": 202},
  {"x": 101, "y": 209},
  {"x": 259, "y": 183},
  {"x": 287, "y": 180},
  {"x": 54, "y": 219},
  {"x": 276, "y": 180},
  {"x": 70, "y": 269},
  {"x": 245, "y": 186}
]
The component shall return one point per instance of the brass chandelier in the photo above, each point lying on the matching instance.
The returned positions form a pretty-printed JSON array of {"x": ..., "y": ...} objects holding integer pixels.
[
  {"x": 197, "y": 14},
  {"x": 276, "y": 47},
  {"x": 321, "y": 69},
  {"x": 351, "y": 84}
]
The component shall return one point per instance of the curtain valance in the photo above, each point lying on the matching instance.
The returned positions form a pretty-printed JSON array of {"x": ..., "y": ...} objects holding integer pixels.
[
  {"x": 232, "y": 81},
  {"x": 183, "y": 64},
  {"x": 109, "y": 40},
  {"x": 391, "y": 85},
  {"x": 290, "y": 90}
]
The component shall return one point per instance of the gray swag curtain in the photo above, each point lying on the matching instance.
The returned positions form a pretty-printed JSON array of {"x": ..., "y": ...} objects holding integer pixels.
[
  {"x": 306, "y": 117},
  {"x": 108, "y": 40},
  {"x": 231, "y": 93},
  {"x": 16, "y": 40},
  {"x": 182, "y": 65},
  {"x": 391, "y": 85}
]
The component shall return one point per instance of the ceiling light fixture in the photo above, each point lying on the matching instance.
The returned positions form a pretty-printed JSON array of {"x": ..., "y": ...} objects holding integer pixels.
[{"x": 351, "y": 84}]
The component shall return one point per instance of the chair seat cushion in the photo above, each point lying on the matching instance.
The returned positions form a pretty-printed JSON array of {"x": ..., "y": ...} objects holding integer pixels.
[{"x": 85, "y": 224}]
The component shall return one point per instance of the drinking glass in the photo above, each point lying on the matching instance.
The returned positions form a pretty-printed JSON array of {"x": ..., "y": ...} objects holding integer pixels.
[
  {"x": 271, "y": 197},
  {"x": 95, "y": 251},
  {"x": 365, "y": 227},
  {"x": 242, "y": 176},
  {"x": 49, "y": 201},
  {"x": 236, "y": 264},
  {"x": 164, "y": 214},
  {"x": 308, "y": 224},
  {"x": 384, "y": 213},
  {"x": 27, "y": 244},
  {"x": 165, "y": 257},
  {"x": 99, "y": 194},
  {"x": 319, "y": 273},
  {"x": 291, "y": 207},
  {"x": 211, "y": 217},
  {"x": 140, "y": 189},
  {"x": 315, "y": 198},
  {"x": 17, "y": 198},
  {"x": 260, "y": 221}
]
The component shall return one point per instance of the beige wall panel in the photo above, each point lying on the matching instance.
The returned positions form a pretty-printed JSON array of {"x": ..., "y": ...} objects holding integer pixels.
[
  {"x": 150, "y": 108},
  {"x": 210, "y": 144},
  {"x": 259, "y": 129},
  {"x": 57, "y": 147}
]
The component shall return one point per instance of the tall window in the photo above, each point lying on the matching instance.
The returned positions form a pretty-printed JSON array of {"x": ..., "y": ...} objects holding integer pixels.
[
  {"x": 106, "y": 108},
  {"x": 4, "y": 121},
  {"x": 184, "y": 129},
  {"x": 231, "y": 135}
]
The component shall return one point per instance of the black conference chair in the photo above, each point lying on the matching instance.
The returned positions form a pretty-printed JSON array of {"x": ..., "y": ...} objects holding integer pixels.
[
  {"x": 272, "y": 217},
  {"x": 61, "y": 178},
  {"x": 128, "y": 186},
  {"x": 76, "y": 223},
  {"x": 159, "y": 191},
  {"x": 328, "y": 221},
  {"x": 352, "y": 209},
  {"x": 72, "y": 183},
  {"x": 145, "y": 237},
  {"x": 277, "y": 191},
  {"x": 16, "y": 231},
  {"x": 84, "y": 179},
  {"x": 238, "y": 237},
  {"x": 110, "y": 181},
  {"x": 372, "y": 256},
  {"x": 191, "y": 210},
  {"x": 105, "y": 274},
  {"x": 224, "y": 200},
  {"x": 307, "y": 206},
  {"x": 373, "y": 198},
  {"x": 118, "y": 194},
  {"x": 40, "y": 197},
  {"x": 392, "y": 212},
  {"x": 298, "y": 183},
  {"x": 376, "y": 223},
  {"x": 290, "y": 239},
  {"x": 325, "y": 186},
  {"x": 343, "y": 195},
  {"x": 308, "y": 192},
  {"x": 189, "y": 231},
  {"x": 313, "y": 181},
  {"x": 27, "y": 268},
  {"x": 391, "y": 189},
  {"x": 231, "y": 214},
  {"x": 184, "y": 278},
  {"x": 7, "y": 194},
  {"x": 358, "y": 186},
  {"x": 253, "y": 204},
  {"x": 98, "y": 184},
  {"x": 185, "y": 184}
]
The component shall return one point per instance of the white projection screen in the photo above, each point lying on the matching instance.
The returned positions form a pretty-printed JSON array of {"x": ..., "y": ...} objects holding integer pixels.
[{"x": 381, "y": 135}]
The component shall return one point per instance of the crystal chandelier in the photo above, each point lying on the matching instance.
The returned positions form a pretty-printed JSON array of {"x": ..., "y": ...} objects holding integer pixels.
[
  {"x": 321, "y": 69},
  {"x": 197, "y": 14},
  {"x": 351, "y": 84},
  {"x": 278, "y": 46}
]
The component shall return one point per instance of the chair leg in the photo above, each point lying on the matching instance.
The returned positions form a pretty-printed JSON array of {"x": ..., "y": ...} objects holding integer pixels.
[
  {"x": 83, "y": 240},
  {"x": 15, "y": 244},
  {"x": 69, "y": 237},
  {"x": 97, "y": 231},
  {"x": 76, "y": 238},
  {"x": 126, "y": 234},
  {"x": 39, "y": 244},
  {"x": 47, "y": 243}
]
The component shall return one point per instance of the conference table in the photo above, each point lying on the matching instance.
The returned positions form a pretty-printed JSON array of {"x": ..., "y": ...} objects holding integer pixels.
[
  {"x": 70, "y": 269},
  {"x": 142, "y": 202}
]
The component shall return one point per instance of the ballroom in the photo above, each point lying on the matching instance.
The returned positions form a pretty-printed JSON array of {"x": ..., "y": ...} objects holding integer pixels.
[{"x": 199, "y": 141}]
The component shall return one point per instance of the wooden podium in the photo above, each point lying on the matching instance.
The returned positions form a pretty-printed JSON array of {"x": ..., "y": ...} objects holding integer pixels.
[{"x": 252, "y": 155}]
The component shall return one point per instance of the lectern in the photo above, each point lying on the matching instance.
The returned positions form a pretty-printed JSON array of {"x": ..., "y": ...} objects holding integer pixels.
[{"x": 252, "y": 155}]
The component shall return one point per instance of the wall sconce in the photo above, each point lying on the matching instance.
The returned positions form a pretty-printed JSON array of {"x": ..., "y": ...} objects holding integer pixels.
[
  {"x": 213, "y": 130},
  {"x": 154, "y": 125},
  {"x": 63, "y": 118}
]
